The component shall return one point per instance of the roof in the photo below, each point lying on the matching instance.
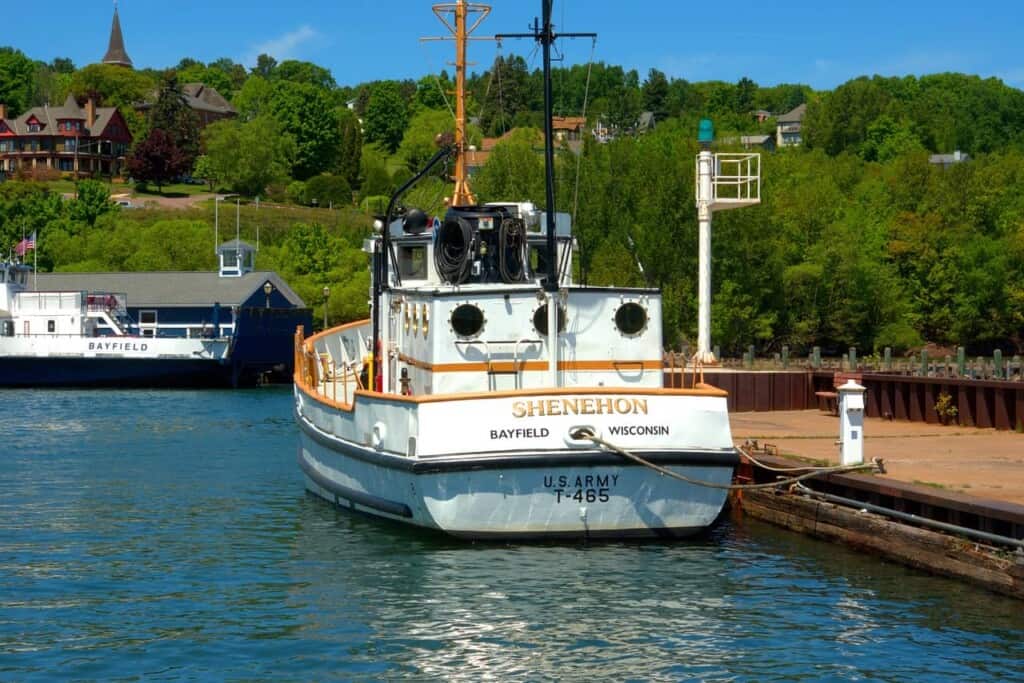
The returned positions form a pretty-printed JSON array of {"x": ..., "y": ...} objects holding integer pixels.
[
  {"x": 205, "y": 98},
  {"x": 947, "y": 159},
  {"x": 169, "y": 288},
  {"x": 49, "y": 116},
  {"x": 237, "y": 245},
  {"x": 568, "y": 122},
  {"x": 116, "y": 54},
  {"x": 199, "y": 97},
  {"x": 794, "y": 116},
  {"x": 755, "y": 139}
]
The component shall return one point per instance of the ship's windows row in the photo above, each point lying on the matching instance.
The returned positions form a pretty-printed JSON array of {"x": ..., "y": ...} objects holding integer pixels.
[{"x": 467, "y": 320}]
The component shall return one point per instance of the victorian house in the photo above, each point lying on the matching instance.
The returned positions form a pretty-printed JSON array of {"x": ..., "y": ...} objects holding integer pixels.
[{"x": 67, "y": 139}]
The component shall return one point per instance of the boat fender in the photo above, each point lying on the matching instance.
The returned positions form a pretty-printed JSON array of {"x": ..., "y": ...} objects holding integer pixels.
[{"x": 380, "y": 432}]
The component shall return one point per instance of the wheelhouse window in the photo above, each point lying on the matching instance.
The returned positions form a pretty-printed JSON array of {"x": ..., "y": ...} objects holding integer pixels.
[
  {"x": 51, "y": 326},
  {"x": 412, "y": 262},
  {"x": 147, "y": 317}
]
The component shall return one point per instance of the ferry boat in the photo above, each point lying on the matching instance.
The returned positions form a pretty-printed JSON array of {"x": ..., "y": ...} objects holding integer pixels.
[
  {"x": 467, "y": 403},
  {"x": 82, "y": 338}
]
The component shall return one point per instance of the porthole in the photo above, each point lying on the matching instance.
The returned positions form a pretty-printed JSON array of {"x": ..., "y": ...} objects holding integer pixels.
[
  {"x": 631, "y": 319},
  {"x": 467, "y": 320},
  {"x": 425, "y": 319},
  {"x": 540, "y": 319}
]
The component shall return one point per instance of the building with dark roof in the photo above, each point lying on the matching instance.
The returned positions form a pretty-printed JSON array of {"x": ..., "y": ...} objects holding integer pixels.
[
  {"x": 257, "y": 309},
  {"x": 208, "y": 104},
  {"x": 68, "y": 139}
]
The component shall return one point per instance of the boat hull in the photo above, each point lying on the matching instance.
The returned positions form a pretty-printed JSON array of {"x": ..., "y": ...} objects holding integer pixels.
[
  {"x": 113, "y": 372},
  {"x": 555, "y": 494}
]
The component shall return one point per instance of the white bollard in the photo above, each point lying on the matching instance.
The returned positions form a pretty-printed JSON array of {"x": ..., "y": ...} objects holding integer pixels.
[{"x": 851, "y": 423}]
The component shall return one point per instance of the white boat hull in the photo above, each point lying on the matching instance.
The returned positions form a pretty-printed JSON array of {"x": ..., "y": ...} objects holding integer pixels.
[{"x": 567, "y": 493}]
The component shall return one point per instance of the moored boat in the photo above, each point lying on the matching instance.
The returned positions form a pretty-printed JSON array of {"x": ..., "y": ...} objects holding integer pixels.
[
  {"x": 476, "y": 399},
  {"x": 81, "y": 338}
]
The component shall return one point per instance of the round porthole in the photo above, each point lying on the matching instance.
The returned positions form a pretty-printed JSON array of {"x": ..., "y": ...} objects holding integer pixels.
[
  {"x": 631, "y": 319},
  {"x": 467, "y": 320},
  {"x": 426, "y": 320},
  {"x": 540, "y": 319}
]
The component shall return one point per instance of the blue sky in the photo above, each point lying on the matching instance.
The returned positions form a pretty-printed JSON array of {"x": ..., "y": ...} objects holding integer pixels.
[{"x": 820, "y": 43}]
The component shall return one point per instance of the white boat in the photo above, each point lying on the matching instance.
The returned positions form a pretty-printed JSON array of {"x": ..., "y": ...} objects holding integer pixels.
[
  {"x": 78, "y": 338},
  {"x": 466, "y": 404}
]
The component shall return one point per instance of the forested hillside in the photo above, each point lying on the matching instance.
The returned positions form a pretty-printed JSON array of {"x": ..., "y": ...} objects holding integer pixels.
[{"x": 860, "y": 240}]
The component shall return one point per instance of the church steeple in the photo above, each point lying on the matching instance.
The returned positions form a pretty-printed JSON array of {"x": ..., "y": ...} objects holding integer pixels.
[{"x": 116, "y": 53}]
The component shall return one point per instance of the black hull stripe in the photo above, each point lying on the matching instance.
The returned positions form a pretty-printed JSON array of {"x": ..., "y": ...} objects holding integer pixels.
[
  {"x": 517, "y": 460},
  {"x": 358, "y": 497}
]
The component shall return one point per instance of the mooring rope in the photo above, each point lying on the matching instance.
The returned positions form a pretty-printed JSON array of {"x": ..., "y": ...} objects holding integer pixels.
[{"x": 584, "y": 434}]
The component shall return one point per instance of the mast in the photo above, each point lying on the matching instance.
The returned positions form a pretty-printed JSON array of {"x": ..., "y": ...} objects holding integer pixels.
[
  {"x": 462, "y": 32},
  {"x": 546, "y": 36}
]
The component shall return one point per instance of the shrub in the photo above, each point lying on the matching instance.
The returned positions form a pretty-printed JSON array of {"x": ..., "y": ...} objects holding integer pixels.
[{"x": 899, "y": 335}]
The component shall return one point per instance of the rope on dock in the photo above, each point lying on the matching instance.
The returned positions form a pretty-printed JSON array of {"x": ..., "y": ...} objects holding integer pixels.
[{"x": 585, "y": 434}]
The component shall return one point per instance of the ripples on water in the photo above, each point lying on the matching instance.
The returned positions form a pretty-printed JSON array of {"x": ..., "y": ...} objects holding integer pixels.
[{"x": 166, "y": 536}]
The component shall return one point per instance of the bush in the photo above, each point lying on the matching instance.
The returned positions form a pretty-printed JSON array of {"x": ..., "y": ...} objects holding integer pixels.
[
  {"x": 327, "y": 190},
  {"x": 296, "y": 192},
  {"x": 900, "y": 336}
]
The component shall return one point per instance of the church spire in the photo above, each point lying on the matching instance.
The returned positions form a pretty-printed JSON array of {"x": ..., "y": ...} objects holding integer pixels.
[{"x": 116, "y": 53}]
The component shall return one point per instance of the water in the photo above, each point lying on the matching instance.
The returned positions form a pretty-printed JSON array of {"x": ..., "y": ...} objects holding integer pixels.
[{"x": 166, "y": 536}]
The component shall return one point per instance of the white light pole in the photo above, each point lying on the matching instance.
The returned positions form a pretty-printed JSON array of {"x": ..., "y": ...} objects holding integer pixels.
[{"x": 723, "y": 181}]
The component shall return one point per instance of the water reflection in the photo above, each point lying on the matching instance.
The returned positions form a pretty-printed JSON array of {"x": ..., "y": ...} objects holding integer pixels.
[{"x": 171, "y": 539}]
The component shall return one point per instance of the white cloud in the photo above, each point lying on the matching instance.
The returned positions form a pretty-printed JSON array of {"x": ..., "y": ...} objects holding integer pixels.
[{"x": 284, "y": 46}]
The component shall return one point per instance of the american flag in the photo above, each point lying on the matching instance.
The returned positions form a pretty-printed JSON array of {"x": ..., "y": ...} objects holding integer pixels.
[{"x": 26, "y": 244}]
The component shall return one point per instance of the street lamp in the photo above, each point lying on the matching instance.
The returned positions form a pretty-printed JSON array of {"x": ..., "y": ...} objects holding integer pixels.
[
  {"x": 327, "y": 293},
  {"x": 267, "y": 290}
]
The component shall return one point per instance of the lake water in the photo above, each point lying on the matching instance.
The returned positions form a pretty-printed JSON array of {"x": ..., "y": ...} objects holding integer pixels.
[{"x": 167, "y": 536}]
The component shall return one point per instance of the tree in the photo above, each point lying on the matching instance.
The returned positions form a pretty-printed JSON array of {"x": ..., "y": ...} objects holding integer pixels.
[
  {"x": 328, "y": 190},
  {"x": 156, "y": 159},
  {"x": 205, "y": 170},
  {"x": 115, "y": 86},
  {"x": 253, "y": 100},
  {"x": 350, "y": 146},
  {"x": 16, "y": 80},
  {"x": 249, "y": 156},
  {"x": 308, "y": 115},
  {"x": 172, "y": 115},
  {"x": 92, "y": 200},
  {"x": 386, "y": 116},
  {"x": 265, "y": 65},
  {"x": 304, "y": 72},
  {"x": 655, "y": 94}
]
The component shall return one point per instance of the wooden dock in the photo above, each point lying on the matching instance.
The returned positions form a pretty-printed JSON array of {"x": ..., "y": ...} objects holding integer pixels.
[{"x": 938, "y": 480}]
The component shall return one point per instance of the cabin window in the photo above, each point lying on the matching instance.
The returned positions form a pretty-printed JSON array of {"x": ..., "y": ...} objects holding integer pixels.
[
  {"x": 467, "y": 320},
  {"x": 51, "y": 326},
  {"x": 149, "y": 332},
  {"x": 412, "y": 262},
  {"x": 540, "y": 319},
  {"x": 147, "y": 317},
  {"x": 538, "y": 260},
  {"x": 631, "y": 319}
]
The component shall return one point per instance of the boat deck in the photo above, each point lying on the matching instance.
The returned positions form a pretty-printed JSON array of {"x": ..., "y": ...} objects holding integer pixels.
[{"x": 984, "y": 463}]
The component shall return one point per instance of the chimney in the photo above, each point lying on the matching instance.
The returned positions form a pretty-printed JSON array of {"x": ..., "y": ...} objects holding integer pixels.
[
  {"x": 3, "y": 111},
  {"x": 90, "y": 111}
]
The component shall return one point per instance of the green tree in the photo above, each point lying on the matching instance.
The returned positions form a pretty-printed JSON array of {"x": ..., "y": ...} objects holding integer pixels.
[
  {"x": 328, "y": 190},
  {"x": 386, "y": 116},
  {"x": 205, "y": 171},
  {"x": 115, "y": 86},
  {"x": 249, "y": 156},
  {"x": 92, "y": 200},
  {"x": 306, "y": 73},
  {"x": 655, "y": 94},
  {"x": 253, "y": 100},
  {"x": 17, "y": 74},
  {"x": 350, "y": 146},
  {"x": 308, "y": 115}
]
